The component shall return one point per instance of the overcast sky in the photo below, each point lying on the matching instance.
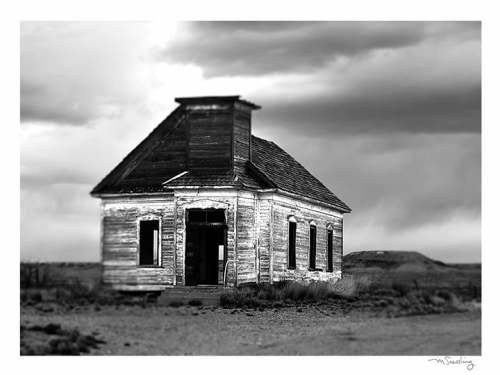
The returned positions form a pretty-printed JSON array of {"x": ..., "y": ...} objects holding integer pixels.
[{"x": 386, "y": 114}]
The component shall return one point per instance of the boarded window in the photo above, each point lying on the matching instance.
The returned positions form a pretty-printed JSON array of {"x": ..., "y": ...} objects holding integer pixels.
[
  {"x": 292, "y": 234},
  {"x": 206, "y": 216},
  {"x": 149, "y": 243},
  {"x": 312, "y": 247},
  {"x": 329, "y": 251}
]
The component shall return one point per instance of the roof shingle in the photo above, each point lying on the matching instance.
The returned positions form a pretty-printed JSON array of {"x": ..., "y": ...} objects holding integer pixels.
[{"x": 288, "y": 174}]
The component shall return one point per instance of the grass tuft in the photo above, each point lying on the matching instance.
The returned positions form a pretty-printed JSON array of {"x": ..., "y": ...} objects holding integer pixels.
[{"x": 176, "y": 303}]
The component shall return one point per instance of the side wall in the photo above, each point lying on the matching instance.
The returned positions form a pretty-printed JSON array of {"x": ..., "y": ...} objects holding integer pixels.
[{"x": 305, "y": 213}]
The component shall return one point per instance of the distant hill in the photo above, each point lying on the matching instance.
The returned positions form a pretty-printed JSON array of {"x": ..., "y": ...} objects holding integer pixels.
[
  {"x": 387, "y": 266},
  {"x": 393, "y": 259}
]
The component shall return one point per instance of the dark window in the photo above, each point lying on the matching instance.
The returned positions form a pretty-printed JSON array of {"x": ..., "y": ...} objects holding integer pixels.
[
  {"x": 149, "y": 242},
  {"x": 216, "y": 216},
  {"x": 292, "y": 233},
  {"x": 312, "y": 247},
  {"x": 329, "y": 251},
  {"x": 206, "y": 216},
  {"x": 197, "y": 216}
]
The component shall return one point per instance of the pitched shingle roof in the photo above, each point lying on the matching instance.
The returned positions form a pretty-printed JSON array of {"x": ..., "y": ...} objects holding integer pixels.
[
  {"x": 288, "y": 174},
  {"x": 271, "y": 167}
]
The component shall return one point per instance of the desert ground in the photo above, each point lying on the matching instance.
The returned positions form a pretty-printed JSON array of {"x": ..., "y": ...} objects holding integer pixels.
[
  {"x": 423, "y": 313},
  {"x": 134, "y": 330}
]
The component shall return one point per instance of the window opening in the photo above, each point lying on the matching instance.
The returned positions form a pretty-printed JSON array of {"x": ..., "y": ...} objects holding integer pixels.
[
  {"x": 312, "y": 247},
  {"x": 149, "y": 242},
  {"x": 206, "y": 216},
  {"x": 292, "y": 234},
  {"x": 329, "y": 253}
]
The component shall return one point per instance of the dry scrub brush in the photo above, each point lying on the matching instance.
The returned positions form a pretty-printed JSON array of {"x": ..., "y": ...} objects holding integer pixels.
[
  {"x": 292, "y": 291},
  {"x": 36, "y": 275}
]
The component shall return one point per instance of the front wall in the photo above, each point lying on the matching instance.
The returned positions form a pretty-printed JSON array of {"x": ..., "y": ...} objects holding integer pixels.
[
  {"x": 263, "y": 218},
  {"x": 304, "y": 213},
  {"x": 246, "y": 229},
  {"x": 203, "y": 200},
  {"x": 120, "y": 242}
]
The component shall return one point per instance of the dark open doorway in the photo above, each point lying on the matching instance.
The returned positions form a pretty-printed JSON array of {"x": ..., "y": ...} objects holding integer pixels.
[{"x": 205, "y": 247}]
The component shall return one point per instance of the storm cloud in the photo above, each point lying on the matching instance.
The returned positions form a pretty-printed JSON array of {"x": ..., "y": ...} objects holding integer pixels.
[
  {"x": 263, "y": 48},
  {"x": 331, "y": 77}
]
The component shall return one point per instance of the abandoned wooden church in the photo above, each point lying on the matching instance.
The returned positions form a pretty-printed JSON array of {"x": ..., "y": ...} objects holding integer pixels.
[{"x": 201, "y": 201}]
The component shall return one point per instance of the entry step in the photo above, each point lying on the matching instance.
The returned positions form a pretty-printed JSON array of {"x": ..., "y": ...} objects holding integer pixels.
[{"x": 208, "y": 295}]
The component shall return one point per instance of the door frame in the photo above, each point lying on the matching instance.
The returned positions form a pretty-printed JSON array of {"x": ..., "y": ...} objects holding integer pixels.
[{"x": 204, "y": 225}]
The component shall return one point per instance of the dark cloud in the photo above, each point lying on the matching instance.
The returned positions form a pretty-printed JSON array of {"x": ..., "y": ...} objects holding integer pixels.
[
  {"x": 417, "y": 192},
  {"x": 398, "y": 181},
  {"x": 260, "y": 48},
  {"x": 324, "y": 78},
  {"x": 378, "y": 107}
]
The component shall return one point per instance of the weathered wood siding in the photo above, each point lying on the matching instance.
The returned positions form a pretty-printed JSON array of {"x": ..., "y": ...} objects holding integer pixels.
[
  {"x": 304, "y": 213},
  {"x": 263, "y": 218},
  {"x": 120, "y": 242},
  {"x": 203, "y": 199},
  {"x": 257, "y": 236},
  {"x": 210, "y": 138},
  {"x": 242, "y": 131},
  {"x": 246, "y": 232}
]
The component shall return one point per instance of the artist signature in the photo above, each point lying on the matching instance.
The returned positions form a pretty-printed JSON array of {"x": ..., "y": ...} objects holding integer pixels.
[{"x": 451, "y": 361}]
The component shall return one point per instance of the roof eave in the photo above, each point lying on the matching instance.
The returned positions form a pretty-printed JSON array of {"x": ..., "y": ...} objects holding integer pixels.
[
  {"x": 312, "y": 200},
  {"x": 194, "y": 187},
  {"x": 257, "y": 172},
  {"x": 118, "y": 195}
]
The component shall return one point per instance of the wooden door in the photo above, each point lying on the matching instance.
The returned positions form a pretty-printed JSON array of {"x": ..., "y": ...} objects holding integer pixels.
[{"x": 191, "y": 260}]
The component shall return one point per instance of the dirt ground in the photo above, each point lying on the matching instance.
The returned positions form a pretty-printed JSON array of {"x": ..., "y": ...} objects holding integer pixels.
[{"x": 156, "y": 330}]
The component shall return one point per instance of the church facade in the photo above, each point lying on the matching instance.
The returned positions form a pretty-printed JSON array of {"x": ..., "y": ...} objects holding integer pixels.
[{"x": 201, "y": 201}]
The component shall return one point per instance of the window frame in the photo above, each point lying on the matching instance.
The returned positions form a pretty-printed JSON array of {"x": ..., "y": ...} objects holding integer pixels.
[{"x": 158, "y": 263}]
